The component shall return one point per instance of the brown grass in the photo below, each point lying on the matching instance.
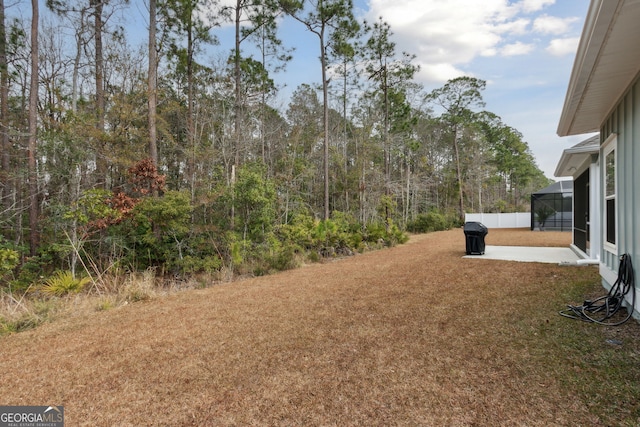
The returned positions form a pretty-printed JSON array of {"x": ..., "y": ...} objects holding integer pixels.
[{"x": 413, "y": 335}]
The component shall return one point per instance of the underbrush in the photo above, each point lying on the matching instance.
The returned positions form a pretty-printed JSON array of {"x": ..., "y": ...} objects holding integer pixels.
[
  {"x": 141, "y": 239},
  {"x": 31, "y": 298},
  {"x": 37, "y": 305},
  {"x": 432, "y": 221},
  {"x": 132, "y": 243},
  {"x": 20, "y": 312}
]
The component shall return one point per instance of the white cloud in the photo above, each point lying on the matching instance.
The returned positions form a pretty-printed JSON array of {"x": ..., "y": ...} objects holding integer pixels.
[
  {"x": 562, "y": 47},
  {"x": 452, "y": 38},
  {"x": 451, "y": 32},
  {"x": 516, "y": 27},
  {"x": 489, "y": 52},
  {"x": 535, "y": 5},
  {"x": 517, "y": 48},
  {"x": 439, "y": 73},
  {"x": 553, "y": 25}
]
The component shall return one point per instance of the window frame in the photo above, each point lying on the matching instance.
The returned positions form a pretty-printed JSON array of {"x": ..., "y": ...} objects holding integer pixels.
[{"x": 610, "y": 194}]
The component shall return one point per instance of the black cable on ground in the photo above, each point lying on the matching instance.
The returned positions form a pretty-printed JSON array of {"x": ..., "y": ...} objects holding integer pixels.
[{"x": 601, "y": 310}]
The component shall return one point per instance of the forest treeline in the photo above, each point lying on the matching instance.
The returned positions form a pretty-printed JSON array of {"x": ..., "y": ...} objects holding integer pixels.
[{"x": 171, "y": 153}]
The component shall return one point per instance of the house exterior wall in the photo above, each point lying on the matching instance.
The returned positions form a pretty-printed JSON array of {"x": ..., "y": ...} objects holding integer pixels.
[{"x": 624, "y": 121}]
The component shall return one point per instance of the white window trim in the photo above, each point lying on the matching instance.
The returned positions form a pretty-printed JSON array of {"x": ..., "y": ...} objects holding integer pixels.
[{"x": 608, "y": 146}]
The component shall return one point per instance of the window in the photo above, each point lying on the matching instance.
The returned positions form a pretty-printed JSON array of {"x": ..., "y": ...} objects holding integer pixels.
[{"x": 610, "y": 191}]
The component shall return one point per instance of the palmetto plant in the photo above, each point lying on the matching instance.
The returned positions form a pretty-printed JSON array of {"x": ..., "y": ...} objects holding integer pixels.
[
  {"x": 63, "y": 282},
  {"x": 543, "y": 213}
]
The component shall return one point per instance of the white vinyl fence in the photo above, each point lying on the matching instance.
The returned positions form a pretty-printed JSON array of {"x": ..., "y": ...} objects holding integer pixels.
[{"x": 501, "y": 220}]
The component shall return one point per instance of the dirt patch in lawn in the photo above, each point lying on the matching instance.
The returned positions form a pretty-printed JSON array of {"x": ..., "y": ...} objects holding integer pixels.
[{"x": 413, "y": 335}]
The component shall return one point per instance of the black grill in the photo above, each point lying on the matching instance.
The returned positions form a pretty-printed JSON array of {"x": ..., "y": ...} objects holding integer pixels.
[{"x": 474, "y": 233}]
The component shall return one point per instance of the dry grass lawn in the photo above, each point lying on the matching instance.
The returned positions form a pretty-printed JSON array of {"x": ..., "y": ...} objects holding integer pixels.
[{"x": 409, "y": 336}]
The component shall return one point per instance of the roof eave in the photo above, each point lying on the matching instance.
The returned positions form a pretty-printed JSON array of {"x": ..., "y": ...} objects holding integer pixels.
[
  {"x": 566, "y": 166},
  {"x": 573, "y": 158},
  {"x": 600, "y": 17}
]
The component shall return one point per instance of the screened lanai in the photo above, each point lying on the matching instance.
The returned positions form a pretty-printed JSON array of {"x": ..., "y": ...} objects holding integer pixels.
[{"x": 551, "y": 207}]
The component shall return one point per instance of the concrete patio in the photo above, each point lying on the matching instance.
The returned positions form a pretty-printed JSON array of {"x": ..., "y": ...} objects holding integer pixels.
[{"x": 553, "y": 255}]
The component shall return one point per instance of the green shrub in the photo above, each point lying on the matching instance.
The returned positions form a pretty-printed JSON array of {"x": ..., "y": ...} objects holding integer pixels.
[
  {"x": 269, "y": 255},
  {"x": 31, "y": 272},
  {"x": 196, "y": 264},
  {"x": 325, "y": 235},
  {"x": 395, "y": 235},
  {"x": 285, "y": 258},
  {"x": 9, "y": 260},
  {"x": 278, "y": 255},
  {"x": 158, "y": 232},
  {"x": 432, "y": 221},
  {"x": 236, "y": 249},
  {"x": 378, "y": 234},
  {"x": 63, "y": 282},
  {"x": 255, "y": 201},
  {"x": 375, "y": 232},
  {"x": 298, "y": 231}
]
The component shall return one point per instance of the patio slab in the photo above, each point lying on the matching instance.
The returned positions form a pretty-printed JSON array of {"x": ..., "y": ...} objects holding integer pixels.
[{"x": 552, "y": 255}]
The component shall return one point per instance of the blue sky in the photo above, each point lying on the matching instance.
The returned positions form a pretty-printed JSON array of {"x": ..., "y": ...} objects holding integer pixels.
[{"x": 524, "y": 50}]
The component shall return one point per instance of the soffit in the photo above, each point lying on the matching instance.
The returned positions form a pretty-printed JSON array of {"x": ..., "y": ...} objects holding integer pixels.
[
  {"x": 573, "y": 159},
  {"x": 607, "y": 62}
]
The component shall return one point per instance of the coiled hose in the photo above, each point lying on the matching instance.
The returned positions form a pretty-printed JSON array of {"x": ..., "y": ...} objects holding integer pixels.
[{"x": 601, "y": 310}]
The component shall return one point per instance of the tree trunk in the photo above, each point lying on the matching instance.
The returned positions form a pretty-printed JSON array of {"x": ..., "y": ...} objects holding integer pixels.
[
  {"x": 325, "y": 114},
  {"x": 99, "y": 64},
  {"x": 101, "y": 162},
  {"x": 262, "y": 109},
  {"x": 387, "y": 148},
  {"x": 152, "y": 84},
  {"x": 191, "y": 137},
  {"x": 238, "y": 88},
  {"x": 33, "y": 128},
  {"x": 408, "y": 200},
  {"x": 5, "y": 181},
  {"x": 237, "y": 107},
  {"x": 76, "y": 62},
  {"x": 458, "y": 171}
]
